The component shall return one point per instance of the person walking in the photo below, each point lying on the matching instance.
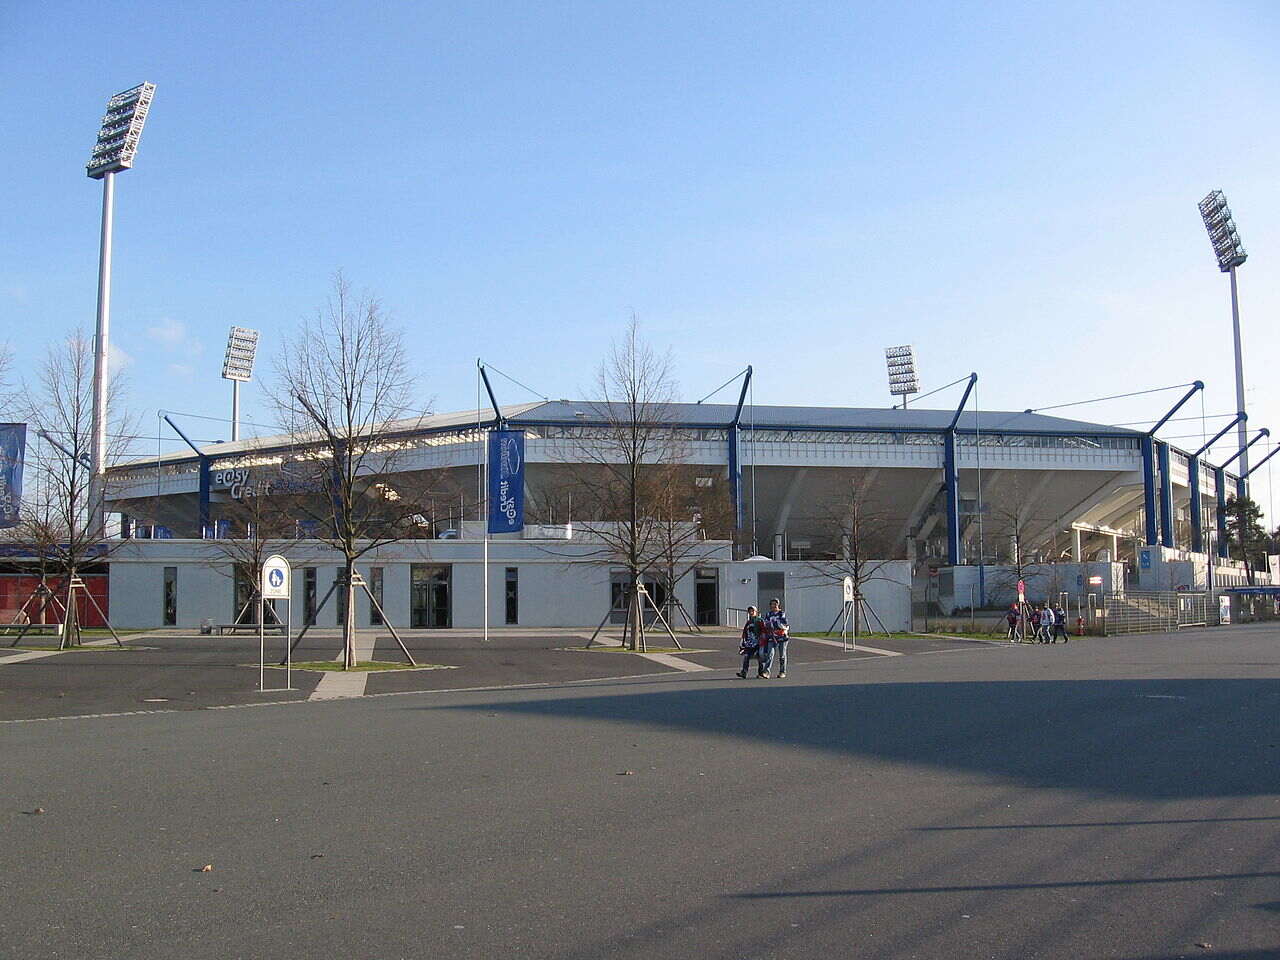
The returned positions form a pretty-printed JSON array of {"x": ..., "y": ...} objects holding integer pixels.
[
  {"x": 1034, "y": 618},
  {"x": 1046, "y": 624},
  {"x": 753, "y": 643},
  {"x": 1060, "y": 624},
  {"x": 776, "y": 630},
  {"x": 1011, "y": 618}
]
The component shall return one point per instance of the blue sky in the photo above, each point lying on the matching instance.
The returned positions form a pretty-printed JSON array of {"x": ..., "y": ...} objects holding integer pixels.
[{"x": 1009, "y": 186}]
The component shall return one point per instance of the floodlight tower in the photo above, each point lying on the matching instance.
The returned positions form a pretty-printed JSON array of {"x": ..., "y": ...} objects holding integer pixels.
[
  {"x": 901, "y": 363},
  {"x": 237, "y": 366},
  {"x": 1231, "y": 254},
  {"x": 117, "y": 143}
]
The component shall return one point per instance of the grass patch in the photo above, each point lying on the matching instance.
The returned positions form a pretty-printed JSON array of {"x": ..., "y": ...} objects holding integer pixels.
[
  {"x": 53, "y": 646},
  {"x": 863, "y": 636},
  {"x": 367, "y": 666},
  {"x": 651, "y": 648}
]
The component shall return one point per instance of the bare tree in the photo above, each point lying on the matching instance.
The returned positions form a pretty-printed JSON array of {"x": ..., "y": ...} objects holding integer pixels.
[
  {"x": 58, "y": 511},
  {"x": 633, "y": 435},
  {"x": 861, "y": 541},
  {"x": 256, "y": 523},
  {"x": 342, "y": 383},
  {"x": 689, "y": 510}
]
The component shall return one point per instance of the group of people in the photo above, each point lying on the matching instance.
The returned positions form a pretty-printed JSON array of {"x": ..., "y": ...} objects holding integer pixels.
[
  {"x": 764, "y": 639},
  {"x": 1042, "y": 623}
]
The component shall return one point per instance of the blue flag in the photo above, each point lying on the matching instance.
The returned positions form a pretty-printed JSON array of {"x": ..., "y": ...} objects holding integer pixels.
[
  {"x": 13, "y": 448},
  {"x": 506, "y": 481}
]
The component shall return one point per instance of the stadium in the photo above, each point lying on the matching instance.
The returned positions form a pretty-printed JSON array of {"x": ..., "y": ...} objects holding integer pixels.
[{"x": 958, "y": 496}]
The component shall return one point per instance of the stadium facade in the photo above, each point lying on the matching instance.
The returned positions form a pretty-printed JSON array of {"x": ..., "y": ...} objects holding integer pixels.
[{"x": 947, "y": 489}]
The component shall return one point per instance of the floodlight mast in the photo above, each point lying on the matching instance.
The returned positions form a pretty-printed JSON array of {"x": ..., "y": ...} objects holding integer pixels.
[
  {"x": 114, "y": 151},
  {"x": 901, "y": 365},
  {"x": 1230, "y": 253},
  {"x": 237, "y": 366}
]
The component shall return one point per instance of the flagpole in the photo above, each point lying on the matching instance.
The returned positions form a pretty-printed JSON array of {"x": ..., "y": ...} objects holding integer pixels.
[{"x": 481, "y": 501}]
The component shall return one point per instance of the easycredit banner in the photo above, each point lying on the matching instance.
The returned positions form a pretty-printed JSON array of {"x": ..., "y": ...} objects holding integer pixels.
[
  {"x": 13, "y": 448},
  {"x": 506, "y": 481}
]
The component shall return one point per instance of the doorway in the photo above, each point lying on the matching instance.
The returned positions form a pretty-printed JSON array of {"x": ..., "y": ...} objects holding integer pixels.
[
  {"x": 706, "y": 598},
  {"x": 429, "y": 586}
]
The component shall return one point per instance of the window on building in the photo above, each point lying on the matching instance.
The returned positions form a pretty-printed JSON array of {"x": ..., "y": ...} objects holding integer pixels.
[
  {"x": 309, "y": 596},
  {"x": 513, "y": 594},
  {"x": 170, "y": 596},
  {"x": 375, "y": 588}
]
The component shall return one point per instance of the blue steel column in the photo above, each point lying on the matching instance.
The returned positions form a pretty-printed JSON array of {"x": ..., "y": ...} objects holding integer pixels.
[
  {"x": 1220, "y": 484},
  {"x": 1166, "y": 495},
  {"x": 204, "y": 496},
  {"x": 1149, "y": 488},
  {"x": 951, "y": 482},
  {"x": 735, "y": 477},
  {"x": 1197, "y": 515}
]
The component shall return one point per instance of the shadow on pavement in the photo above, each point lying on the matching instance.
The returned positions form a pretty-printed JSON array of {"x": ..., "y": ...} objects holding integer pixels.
[
  {"x": 1006, "y": 887},
  {"x": 1161, "y": 739}
]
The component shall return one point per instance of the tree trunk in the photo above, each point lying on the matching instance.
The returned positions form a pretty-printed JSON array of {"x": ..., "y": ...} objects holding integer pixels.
[
  {"x": 637, "y": 618},
  {"x": 349, "y": 618}
]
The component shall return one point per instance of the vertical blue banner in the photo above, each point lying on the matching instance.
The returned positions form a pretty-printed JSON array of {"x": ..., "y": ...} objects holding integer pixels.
[
  {"x": 13, "y": 448},
  {"x": 506, "y": 481}
]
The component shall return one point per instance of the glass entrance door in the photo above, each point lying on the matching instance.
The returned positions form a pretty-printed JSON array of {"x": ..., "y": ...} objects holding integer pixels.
[{"x": 429, "y": 586}]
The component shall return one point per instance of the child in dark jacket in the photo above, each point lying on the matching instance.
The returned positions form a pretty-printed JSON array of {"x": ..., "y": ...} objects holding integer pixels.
[{"x": 753, "y": 641}]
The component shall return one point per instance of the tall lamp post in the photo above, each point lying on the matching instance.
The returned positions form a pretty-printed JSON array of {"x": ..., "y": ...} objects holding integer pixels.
[
  {"x": 1231, "y": 254},
  {"x": 237, "y": 366},
  {"x": 117, "y": 143},
  {"x": 901, "y": 365}
]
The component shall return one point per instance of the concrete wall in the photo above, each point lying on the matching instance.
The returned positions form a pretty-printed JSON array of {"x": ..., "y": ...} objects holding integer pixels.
[
  {"x": 814, "y": 595},
  {"x": 561, "y": 583},
  {"x": 1042, "y": 581}
]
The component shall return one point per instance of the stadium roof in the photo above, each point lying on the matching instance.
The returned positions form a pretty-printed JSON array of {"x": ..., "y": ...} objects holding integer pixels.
[
  {"x": 833, "y": 418},
  {"x": 705, "y": 414}
]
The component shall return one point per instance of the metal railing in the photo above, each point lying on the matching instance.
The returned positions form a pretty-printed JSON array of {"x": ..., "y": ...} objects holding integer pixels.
[{"x": 1155, "y": 612}]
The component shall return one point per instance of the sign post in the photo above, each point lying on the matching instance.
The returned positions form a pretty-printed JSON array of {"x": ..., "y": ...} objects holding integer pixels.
[
  {"x": 275, "y": 584},
  {"x": 848, "y": 609}
]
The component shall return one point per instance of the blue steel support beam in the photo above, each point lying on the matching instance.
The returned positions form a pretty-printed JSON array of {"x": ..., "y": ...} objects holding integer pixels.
[
  {"x": 951, "y": 488},
  {"x": 493, "y": 401},
  {"x": 951, "y": 477},
  {"x": 742, "y": 397},
  {"x": 204, "y": 475},
  {"x": 1221, "y": 433},
  {"x": 1220, "y": 485},
  {"x": 735, "y": 478},
  {"x": 1149, "y": 488},
  {"x": 1197, "y": 512},
  {"x": 1254, "y": 466},
  {"x": 1195, "y": 388},
  {"x": 1166, "y": 483},
  {"x": 1264, "y": 432},
  {"x": 1166, "y": 495},
  {"x": 735, "y": 462},
  {"x": 973, "y": 380}
]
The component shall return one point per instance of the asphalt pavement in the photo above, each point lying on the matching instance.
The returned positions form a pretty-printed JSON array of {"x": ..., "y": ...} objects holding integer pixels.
[
  {"x": 171, "y": 670},
  {"x": 1109, "y": 798}
]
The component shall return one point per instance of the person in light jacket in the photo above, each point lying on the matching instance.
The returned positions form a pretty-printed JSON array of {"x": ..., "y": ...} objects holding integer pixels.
[
  {"x": 1046, "y": 624},
  {"x": 778, "y": 634}
]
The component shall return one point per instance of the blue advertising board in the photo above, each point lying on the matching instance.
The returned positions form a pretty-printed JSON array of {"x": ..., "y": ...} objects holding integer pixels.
[
  {"x": 13, "y": 448},
  {"x": 506, "y": 481}
]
